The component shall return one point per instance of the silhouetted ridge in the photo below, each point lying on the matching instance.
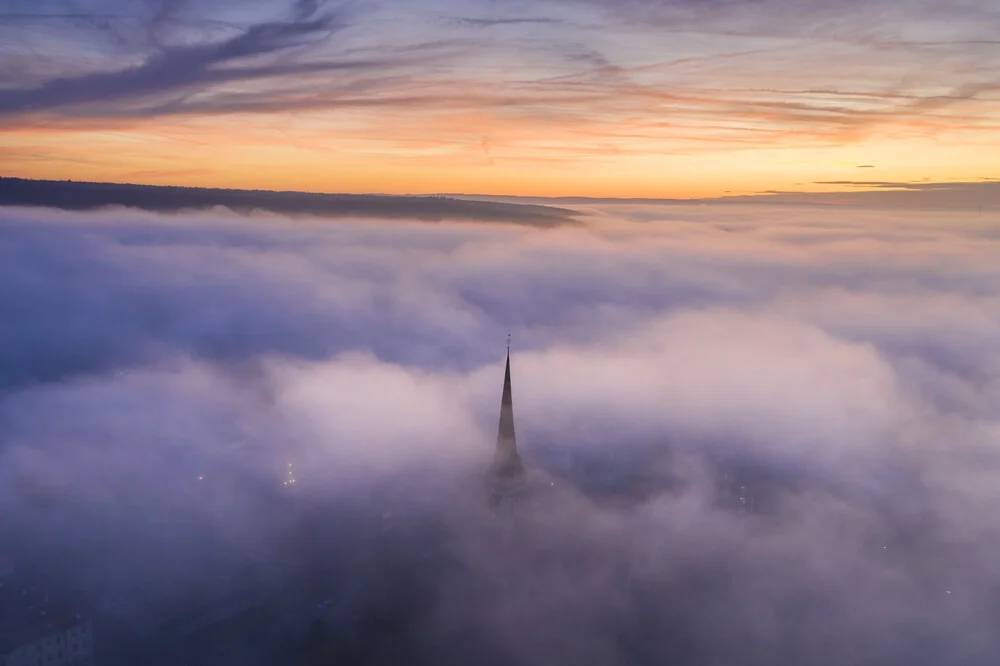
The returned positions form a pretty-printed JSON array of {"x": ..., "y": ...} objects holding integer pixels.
[{"x": 70, "y": 195}]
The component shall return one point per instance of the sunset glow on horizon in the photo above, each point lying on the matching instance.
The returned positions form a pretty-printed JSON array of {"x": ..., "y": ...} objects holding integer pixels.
[{"x": 554, "y": 98}]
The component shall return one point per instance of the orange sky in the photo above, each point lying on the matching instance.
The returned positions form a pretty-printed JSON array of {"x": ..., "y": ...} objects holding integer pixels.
[{"x": 569, "y": 100}]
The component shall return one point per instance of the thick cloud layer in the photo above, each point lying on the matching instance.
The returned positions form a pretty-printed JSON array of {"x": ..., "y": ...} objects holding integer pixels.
[{"x": 160, "y": 374}]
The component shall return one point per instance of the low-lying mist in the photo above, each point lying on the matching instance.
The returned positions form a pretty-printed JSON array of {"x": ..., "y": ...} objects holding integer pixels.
[{"x": 183, "y": 396}]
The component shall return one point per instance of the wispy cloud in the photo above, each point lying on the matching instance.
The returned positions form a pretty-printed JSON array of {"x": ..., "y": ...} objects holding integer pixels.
[
  {"x": 549, "y": 82},
  {"x": 494, "y": 22},
  {"x": 183, "y": 68}
]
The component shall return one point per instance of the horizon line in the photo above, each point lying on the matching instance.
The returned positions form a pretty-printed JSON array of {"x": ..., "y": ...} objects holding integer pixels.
[{"x": 864, "y": 194}]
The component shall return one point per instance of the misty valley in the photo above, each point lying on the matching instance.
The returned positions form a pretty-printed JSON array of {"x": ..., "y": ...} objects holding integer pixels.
[{"x": 715, "y": 434}]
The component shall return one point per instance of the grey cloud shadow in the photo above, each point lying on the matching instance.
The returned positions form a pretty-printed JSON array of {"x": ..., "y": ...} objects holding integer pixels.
[{"x": 179, "y": 68}]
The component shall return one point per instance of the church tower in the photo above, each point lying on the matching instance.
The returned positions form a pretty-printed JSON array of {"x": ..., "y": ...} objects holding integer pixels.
[
  {"x": 506, "y": 473},
  {"x": 506, "y": 461}
]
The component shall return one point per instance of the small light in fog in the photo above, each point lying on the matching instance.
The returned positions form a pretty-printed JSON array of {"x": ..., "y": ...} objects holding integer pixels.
[
  {"x": 201, "y": 478},
  {"x": 948, "y": 591}
]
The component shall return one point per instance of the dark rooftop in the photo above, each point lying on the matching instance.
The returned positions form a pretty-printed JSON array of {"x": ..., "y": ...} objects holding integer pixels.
[{"x": 27, "y": 614}]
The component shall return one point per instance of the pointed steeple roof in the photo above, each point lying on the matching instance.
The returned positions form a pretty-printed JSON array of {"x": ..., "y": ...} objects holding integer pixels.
[
  {"x": 506, "y": 461},
  {"x": 506, "y": 429}
]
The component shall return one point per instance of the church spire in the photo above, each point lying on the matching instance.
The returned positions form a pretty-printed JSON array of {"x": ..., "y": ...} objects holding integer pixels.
[{"x": 506, "y": 461}]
